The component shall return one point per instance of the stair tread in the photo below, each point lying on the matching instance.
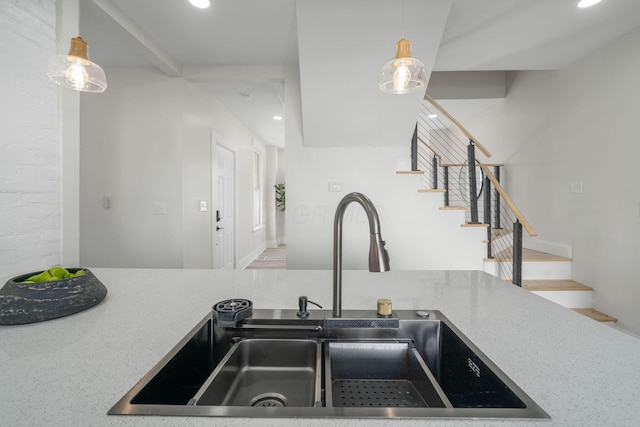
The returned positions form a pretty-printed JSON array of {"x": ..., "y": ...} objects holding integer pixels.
[
  {"x": 474, "y": 225},
  {"x": 431, "y": 190},
  {"x": 554, "y": 285},
  {"x": 528, "y": 255},
  {"x": 453, "y": 208},
  {"x": 410, "y": 172},
  {"x": 595, "y": 314}
]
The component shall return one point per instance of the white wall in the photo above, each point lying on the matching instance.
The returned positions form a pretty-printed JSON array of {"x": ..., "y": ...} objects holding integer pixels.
[
  {"x": 579, "y": 124},
  {"x": 30, "y": 164},
  {"x": 418, "y": 234},
  {"x": 147, "y": 139}
]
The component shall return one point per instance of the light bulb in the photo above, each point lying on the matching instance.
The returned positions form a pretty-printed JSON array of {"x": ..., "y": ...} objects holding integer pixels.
[
  {"x": 77, "y": 76},
  {"x": 401, "y": 79}
]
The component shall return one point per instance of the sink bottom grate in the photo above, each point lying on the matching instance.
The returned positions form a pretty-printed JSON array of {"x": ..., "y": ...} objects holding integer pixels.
[
  {"x": 390, "y": 393},
  {"x": 269, "y": 400}
]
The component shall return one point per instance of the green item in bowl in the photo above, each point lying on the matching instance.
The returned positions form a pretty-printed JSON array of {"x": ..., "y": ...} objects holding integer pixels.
[{"x": 54, "y": 273}]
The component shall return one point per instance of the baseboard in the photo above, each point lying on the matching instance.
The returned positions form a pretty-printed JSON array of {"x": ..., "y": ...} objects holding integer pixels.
[
  {"x": 244, "y": 262},
  {"x": 282, "y": 240},
  {"x": 553, "y": 248},
  {"x": 618, "y": 328}
]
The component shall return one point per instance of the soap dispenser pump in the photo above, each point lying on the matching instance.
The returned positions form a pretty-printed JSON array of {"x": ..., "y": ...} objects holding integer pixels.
[{"x": 302, "y": 306}]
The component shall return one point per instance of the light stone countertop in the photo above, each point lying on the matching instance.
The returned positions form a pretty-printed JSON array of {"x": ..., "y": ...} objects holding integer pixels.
[{"x": 70, "y": 371}]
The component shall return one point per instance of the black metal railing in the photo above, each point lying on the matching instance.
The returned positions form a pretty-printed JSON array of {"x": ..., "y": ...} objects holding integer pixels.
[{"x": 448, "y": 154}]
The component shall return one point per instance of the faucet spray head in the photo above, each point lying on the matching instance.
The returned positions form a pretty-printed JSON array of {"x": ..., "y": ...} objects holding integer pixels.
[{"x": 378, "y": 255}]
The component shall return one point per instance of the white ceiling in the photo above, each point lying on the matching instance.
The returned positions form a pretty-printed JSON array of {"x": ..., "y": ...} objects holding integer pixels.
[{"x": 327, "y": 36}]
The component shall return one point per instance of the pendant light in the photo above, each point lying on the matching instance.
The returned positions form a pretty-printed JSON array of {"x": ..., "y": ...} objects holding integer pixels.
[
  {"x": 403, "y": 74},
  {"x": 75, "y": 71}
]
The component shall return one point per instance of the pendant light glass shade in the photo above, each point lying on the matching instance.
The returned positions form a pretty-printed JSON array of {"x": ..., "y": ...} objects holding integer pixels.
[
  {"x": 403, "y": 74},
  {"x": 75, "y": 71}
]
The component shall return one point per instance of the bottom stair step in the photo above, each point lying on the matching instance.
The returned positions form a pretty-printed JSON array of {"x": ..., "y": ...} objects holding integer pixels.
[
  {"x": 595, "y": 314},
  {"x": 554, "y": 285},
  {"x": 567, "y": 293}
]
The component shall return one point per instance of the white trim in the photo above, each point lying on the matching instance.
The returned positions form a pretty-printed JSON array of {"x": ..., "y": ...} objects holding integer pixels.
[
  {"x": 614, "y": 325},
  {"x": 261, "y": 163},
  {"x": 244, "y": 262}
]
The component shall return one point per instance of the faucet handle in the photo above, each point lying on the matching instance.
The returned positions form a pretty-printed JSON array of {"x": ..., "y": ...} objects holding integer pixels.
[{"x": 386, "y": 253}]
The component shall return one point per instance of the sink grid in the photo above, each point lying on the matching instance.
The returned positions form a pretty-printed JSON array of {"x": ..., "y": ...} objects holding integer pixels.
[{"x": 390, "y": 393}]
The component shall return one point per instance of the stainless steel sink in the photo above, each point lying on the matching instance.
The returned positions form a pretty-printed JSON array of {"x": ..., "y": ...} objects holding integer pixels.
[
  {"x": 275, "y": 364},
  {"x": 379, "y": 374},
  {"x": 267, "y": 373}
]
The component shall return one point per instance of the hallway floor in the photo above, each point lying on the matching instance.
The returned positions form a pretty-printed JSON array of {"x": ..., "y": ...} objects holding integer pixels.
[{"x": 271, "y": 258}]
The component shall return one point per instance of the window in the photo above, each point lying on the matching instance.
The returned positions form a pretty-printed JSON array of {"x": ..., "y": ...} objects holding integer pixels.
[{"x": 257, "y": 191}]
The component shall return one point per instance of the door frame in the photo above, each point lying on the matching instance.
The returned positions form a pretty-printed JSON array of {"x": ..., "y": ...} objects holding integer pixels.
[{"x": 218, "y": 140}]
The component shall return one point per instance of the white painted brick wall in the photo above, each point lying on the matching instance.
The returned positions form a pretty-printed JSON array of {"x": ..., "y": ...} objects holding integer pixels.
[{"x": 30, "y": 146}]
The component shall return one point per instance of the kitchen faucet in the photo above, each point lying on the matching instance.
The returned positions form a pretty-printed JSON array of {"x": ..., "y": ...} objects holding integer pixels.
[{"x": 378, "y": 256}]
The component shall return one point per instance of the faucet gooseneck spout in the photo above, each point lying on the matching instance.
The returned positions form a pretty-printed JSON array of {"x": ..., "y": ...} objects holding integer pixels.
[{"x": 378, "y": 256}]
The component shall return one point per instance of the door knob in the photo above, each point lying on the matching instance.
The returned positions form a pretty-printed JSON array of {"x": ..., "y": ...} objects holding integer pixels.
[{"x": 219, "y": 228}]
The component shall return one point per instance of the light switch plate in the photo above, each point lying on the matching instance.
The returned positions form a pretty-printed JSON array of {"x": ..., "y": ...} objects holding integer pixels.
[
  {"x": 203, "y": 206},
  {"x": 576, "y": 187},
  {"x": 159, "y": 208}
]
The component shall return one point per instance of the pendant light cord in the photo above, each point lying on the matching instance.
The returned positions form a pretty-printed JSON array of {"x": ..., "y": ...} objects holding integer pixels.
[{"x": 402, "y": 18}]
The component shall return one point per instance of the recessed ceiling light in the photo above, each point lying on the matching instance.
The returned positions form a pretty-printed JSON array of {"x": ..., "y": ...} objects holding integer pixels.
[
  {"x": 433, "y": 116},
  {"x": 277, "y": 117},
  {"x": 587, "y": 3},
  {"x": 201, "y": 4}
]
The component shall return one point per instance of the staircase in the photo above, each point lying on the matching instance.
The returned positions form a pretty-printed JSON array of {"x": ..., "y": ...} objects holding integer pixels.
[
  {"x": 549, "y": 276},
  {"x": 438, "y": 148}
]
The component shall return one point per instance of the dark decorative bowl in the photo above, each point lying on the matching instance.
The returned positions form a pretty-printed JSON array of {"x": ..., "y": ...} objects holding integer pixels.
[{"x": 36, "y": 302}]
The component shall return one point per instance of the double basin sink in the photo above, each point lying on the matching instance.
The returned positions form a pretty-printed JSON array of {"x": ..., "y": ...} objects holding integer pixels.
[{"x": 273, "y": 364}]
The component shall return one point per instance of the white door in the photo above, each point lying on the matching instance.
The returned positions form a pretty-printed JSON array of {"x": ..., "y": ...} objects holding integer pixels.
[{"x": 224, "y": 201}]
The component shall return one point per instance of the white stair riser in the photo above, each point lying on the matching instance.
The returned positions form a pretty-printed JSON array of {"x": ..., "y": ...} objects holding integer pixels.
[
  {"x": 538, "y": 270},
  {"x": 569, "y": 299},
  {"x": 494, "y": 269},
  {"x": 542, "y": 270}
]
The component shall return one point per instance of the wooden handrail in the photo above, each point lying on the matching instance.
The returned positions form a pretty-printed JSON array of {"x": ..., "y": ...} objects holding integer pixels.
[
  {"x": 508, "y": 201},
  {"x": 457, "y": 123},
  {"x": 435, "y": 153}
]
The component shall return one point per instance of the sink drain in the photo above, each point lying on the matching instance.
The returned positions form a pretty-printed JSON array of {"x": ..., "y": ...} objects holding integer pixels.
[{"x": 273, "y": 400}]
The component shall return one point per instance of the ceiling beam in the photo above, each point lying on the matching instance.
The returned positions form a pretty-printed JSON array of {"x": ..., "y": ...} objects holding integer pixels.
[
  {"x": 233, "y": 73},
  {"x": 158, "y": 56}
]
